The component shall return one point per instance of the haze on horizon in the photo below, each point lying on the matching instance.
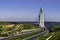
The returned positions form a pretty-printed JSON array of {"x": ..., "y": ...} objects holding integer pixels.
[{"x": 28, "y": 10}]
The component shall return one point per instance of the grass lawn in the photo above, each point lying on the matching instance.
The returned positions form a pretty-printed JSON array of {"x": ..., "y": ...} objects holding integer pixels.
[
  {"x": 56, "y": 36},
  {"x": 44, "y": 37}
]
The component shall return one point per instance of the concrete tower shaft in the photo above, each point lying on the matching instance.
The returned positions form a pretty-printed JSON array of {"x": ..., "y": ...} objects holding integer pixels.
[{"x": 41, "y": 19}]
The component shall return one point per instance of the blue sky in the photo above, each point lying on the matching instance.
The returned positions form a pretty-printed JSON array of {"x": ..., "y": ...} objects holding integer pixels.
[{"x": 28, "y": 10}]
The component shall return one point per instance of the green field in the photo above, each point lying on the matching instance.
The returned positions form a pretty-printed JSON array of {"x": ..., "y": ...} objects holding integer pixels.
[
  {"x": 56, "y": 35},
  {"x": 30, "y": 27},
  {"x": 26, "y": 27}
]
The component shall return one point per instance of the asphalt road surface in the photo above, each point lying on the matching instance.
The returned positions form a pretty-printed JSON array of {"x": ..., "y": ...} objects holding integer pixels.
[
  {"x": 18, "y": 35},
  {"x": 36, "y": 36}
]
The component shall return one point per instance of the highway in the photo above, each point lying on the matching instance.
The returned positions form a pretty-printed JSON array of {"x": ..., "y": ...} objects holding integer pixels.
[
  {"x": 36, "y": 36},
  {"x": 18, "y": 27},
  {"x": 12, "y": 31},
  {"x": 17, "y": 35},
  {"x": 25, "y": 33}
]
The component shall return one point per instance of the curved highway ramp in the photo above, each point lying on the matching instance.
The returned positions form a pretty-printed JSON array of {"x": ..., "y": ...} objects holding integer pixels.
[
  {"x": 18, "y": 35},
  {"x": 27, "y": 33},
  {"x": 36, "y": 36}
]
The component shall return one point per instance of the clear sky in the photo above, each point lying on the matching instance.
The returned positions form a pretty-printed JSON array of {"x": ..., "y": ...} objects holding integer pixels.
[{"x": 28, "y": 10}]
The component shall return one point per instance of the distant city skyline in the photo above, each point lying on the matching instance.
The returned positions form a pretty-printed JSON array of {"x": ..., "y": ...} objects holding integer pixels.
[{"x": 28, "y": 10}]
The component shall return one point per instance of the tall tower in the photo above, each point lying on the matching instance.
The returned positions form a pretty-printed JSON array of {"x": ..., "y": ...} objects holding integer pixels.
[{"x": 41, "y": 19}]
